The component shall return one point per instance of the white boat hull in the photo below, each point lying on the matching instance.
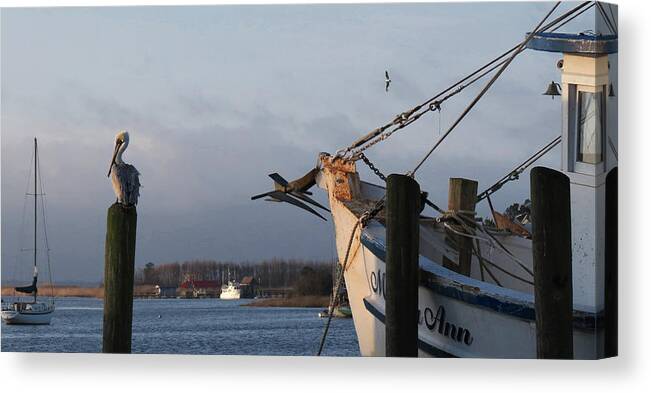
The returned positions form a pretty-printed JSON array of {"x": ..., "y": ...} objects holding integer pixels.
[
  {"x": 29, "y": 317},
  {"x": 229, "y": 296},
  {"x": 466, "y": 320},
  {"x": 459, "y": 316}
]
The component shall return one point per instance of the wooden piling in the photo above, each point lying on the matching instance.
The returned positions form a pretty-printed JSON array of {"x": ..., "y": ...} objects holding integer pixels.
[
  {"x": 119, "y": 260},
  {"x": 611, "y": 262},
  {"x": 462, "y": 197},
  {"x": 552, "y": 262},
  {"x": 402, "y": 212}
]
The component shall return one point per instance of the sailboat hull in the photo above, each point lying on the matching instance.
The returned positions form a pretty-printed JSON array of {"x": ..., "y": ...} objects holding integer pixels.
[{"x": 34, "y": 314}]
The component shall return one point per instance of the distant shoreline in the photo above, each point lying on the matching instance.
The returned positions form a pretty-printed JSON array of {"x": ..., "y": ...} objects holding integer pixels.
[
  {"x": 294, "y": 301},
  {"x": 98, "y": 293},
  {"x": 62, "y": 291}
]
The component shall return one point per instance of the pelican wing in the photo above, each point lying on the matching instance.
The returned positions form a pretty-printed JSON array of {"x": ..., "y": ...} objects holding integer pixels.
[
  {"x": 127, "y": 178},
  {"x": 286, "y": 198},
  {"x": 386, "y": 74}
]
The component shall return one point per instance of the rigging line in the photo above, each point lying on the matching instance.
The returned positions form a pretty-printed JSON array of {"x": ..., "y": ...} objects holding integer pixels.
[
  {"x": 508, "y": 273},
  {"x": 16, "y": 270},
  {"x": 363, "y": 221},
  {"x": 432, "y": 107},
  {"x": 606, "y": 18},
  {"x": 485, "y": 89},
  {"x": 460, "y": 218},
  {"x": 47, "y": 243},
  {"x": 612, "y": 14},
  {"x": 337, "y": 287},
  {"x": 481, "y": 263},
  {"x": 572, "y": 18},
  {"x": 378, "y": 131},
  {"x": 518, "y": 169}
]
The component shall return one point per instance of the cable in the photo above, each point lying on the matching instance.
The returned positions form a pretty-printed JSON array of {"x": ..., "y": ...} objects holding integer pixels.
[
  {"x": 513, "y": 174},
  {"x": 402, "y": 120},
  {"x": 572, "y": 18},
  {"x": 484, "y": 90}
]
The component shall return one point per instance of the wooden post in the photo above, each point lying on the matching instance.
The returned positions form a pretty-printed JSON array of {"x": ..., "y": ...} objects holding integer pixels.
[
  {"x": 462, "y": 197},
  {"x": 610, "y": 285},
  {"x": 552, "y": 263},
  {"x": 120, "y": 249},
  {"x": 402, "y": 213}
]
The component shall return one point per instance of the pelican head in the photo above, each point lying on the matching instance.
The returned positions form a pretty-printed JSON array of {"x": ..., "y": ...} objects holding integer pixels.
[{"x": 121, "y": 143}]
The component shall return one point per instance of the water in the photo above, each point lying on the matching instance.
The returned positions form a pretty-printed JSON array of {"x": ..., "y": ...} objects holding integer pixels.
[{"x": 188, "y": 326}]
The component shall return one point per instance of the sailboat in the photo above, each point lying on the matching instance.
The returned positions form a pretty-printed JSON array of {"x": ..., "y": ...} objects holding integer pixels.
[{"x": 32, "y": 312}]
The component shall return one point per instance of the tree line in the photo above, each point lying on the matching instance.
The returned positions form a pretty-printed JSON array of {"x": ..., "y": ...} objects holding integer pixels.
[{"x": 306, "y": 277}]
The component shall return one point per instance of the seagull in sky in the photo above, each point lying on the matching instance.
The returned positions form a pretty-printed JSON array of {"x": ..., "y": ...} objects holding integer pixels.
[{"x": 387, "y": 81}]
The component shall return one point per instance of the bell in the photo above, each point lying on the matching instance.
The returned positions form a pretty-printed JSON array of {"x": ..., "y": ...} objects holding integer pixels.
[
  {"x": 611, "y": 90},
  {"x": 552, "y": 90}
]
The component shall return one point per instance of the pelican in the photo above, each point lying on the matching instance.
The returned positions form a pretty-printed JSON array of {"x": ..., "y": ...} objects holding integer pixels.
[
  {"x": 124, "y": 177},
  {"x": 387, "y": 81}
]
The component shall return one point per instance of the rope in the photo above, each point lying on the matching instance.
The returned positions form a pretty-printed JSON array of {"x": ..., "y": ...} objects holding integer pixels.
[
  {"x": 485, "y": 89},
  {"x": 363, "y": 220},
  {"x": 470, "y": 225}
]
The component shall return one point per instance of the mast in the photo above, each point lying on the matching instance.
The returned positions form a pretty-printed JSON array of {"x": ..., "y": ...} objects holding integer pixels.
[{"x": 35, "y": 208}]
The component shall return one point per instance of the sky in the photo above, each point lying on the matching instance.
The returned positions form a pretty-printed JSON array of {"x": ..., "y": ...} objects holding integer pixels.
[{"x": 217, "y": 97}]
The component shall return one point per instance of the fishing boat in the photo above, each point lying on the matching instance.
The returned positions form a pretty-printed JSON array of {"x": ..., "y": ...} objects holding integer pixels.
[
  {"x": 230, "y": 291},
  {"x": 483, "y": 306},
  {"x": 33, "y": 312}
]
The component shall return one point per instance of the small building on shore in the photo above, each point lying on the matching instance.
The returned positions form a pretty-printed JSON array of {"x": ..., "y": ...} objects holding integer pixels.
[
  {"x": 191, "y": 288},
  {"x": 247, "y": 288}
]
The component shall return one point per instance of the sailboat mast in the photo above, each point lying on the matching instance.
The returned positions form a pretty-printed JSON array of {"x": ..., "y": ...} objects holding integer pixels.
[{"x": 35, "y": 205}]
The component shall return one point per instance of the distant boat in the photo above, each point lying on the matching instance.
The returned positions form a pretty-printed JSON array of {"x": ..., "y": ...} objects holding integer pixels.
[
  {"x": 30, "y": 312},
  {"x": 230, "y": 291}
]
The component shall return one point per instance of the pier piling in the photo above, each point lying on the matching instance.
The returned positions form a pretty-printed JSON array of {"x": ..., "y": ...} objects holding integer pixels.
[
  {"x": 402, "y": 212},
  {"x": 119, "y": 260},
  {"x": 462, "y": 197},
  {"x": 610, "y": 284},
  {"x": 552, "y": 262}
]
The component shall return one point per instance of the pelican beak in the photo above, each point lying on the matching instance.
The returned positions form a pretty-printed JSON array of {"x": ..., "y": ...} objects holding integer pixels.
[{"x": 115, "y": 153}]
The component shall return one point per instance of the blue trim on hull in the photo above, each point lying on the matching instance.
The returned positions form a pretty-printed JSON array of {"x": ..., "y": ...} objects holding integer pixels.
[
  {"x": 582, "y": 319},
  {"x": 422, "y": 345}
]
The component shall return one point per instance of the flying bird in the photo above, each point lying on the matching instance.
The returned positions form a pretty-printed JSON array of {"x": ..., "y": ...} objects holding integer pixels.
[
  {"x": 124, "y": 177},
  {"x": 293, "y": 192},
  {"x": 387, "y": 81}
]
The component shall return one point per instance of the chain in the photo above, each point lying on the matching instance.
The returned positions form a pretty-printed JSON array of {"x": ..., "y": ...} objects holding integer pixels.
[
  {"x": 370, "y": 214},
  {"x": 372, "y": 167}
]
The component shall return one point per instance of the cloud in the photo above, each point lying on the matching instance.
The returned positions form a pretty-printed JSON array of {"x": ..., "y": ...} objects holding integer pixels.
[{"x": 216, "y": 98}]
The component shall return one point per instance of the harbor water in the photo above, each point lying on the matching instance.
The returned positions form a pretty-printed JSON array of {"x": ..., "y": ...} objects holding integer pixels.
[{"x": 188, "y": 326}]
